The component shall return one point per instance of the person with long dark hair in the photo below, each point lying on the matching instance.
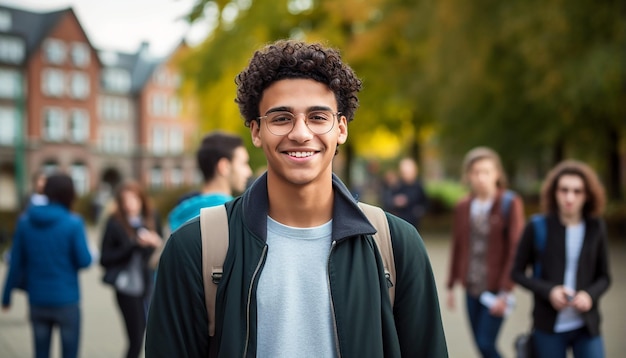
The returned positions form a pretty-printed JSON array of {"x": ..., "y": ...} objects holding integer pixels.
[
  {"x": 567, "y": 247},
  {"x": 49, "y": 249},
  {"x": 131, "y": 235}
]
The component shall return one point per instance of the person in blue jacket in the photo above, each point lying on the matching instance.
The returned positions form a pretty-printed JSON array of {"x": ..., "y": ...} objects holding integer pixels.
[
  {"x": 223, "y": 160},
  {"x": 49, "y": 249}
]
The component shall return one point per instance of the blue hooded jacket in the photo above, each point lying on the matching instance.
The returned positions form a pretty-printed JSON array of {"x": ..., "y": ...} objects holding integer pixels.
[{"x": 49, "y": 247}]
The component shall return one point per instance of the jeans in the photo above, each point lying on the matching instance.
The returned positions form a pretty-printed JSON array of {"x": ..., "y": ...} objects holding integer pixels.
[
  {"x": 485, "y": 327},
  {"x": 44, "y": 319},
  {"x": 554, "y": 345}
]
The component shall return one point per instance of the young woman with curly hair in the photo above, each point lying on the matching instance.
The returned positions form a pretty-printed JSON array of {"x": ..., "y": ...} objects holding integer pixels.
[{"x": 567, "y": 247}]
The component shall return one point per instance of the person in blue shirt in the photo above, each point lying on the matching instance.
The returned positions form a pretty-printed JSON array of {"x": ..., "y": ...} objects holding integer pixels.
[
  {"x": 223, "y": 160},
  {"x": 49, "y": 248}
]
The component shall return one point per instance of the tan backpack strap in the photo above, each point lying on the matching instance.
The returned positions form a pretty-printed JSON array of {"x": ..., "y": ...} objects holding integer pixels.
[
  {"x": 214, "y": 232},
  {"x": 382, "y": 237}
]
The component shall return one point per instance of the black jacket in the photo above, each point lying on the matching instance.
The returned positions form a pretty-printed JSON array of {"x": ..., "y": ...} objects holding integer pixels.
[
  {"x": 365, "y": 323},
  {"x": 592, "y": 276}
]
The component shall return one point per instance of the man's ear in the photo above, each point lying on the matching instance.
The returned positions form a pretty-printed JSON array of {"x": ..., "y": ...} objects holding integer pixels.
[
  {"x": 342, "y": 127},
  {"x": 223, "y": 166},
  {"x": 255, "y": 133}
]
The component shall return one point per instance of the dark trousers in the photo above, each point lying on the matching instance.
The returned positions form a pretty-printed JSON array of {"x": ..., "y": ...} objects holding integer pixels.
[
  {"x": 485, "y": 327},
  {"x": 133, "y": 311},
  {"x": 555, "y": 345},
  {"x": 44, "y": 319}
]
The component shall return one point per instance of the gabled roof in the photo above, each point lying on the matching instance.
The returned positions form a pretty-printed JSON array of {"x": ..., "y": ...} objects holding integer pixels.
[{"x": 33, "y": 27}]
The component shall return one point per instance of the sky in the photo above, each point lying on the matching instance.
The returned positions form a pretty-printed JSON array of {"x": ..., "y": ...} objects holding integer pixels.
[{"x": 122, "y": 25}]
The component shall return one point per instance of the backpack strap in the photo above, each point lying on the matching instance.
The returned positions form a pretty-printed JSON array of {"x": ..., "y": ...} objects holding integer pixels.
[
  {"x": 540, "y": 229},
  {"x": 505, "y": 204},
  {"x": 382, "y": 237},
  {"x": 215, "y": 237}
]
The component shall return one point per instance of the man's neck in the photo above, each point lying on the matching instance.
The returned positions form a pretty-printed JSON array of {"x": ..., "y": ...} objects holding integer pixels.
[
  {"x": 301, "y": 206},
  {"x": 216, "y": 186}
]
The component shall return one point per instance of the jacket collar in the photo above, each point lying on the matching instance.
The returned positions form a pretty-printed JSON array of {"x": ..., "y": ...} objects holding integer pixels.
[{"x": 348, "y": 219}]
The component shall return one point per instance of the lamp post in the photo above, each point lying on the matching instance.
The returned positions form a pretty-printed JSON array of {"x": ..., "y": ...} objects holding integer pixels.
[{"x": 20, "y": 140}]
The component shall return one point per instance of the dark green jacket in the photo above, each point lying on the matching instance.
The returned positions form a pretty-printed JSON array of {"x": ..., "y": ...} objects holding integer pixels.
[{"x": 365, "y": 325}]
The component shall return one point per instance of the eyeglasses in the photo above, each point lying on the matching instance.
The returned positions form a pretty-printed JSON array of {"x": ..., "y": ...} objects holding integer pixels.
[{"x": 282, "y": 122}]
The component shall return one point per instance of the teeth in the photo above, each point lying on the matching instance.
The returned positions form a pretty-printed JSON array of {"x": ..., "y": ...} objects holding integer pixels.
[{"x": 300, "y": 154}]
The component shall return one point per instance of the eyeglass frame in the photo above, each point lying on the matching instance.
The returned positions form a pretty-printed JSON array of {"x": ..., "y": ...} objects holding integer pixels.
[{"x": 335, "y": 116}]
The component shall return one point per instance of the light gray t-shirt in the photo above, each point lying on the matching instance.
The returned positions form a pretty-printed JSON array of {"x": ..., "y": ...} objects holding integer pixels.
[
  {"x": 293, "y": 297},
  {"x": 569, "y": 318}
]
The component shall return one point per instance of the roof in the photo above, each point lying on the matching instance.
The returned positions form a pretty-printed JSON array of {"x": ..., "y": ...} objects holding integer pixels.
[{"x": 33, "y": 27}]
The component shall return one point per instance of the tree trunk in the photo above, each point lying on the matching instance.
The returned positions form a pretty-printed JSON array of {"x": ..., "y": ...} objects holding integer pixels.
[{"x": 614, "y": 182}]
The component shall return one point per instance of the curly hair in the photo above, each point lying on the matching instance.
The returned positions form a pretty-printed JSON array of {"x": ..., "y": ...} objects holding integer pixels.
[
  {"x": 287, "y": 59},
  {"x": 594, "y": 190}
]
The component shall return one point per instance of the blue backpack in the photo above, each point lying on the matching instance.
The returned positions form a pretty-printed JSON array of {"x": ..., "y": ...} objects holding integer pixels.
[{"x": 541, "y": 231}]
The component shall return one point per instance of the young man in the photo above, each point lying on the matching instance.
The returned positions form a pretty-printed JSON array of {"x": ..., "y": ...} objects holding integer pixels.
[
  {"x": 223, "y": 160},
  {"x": 302, "y": 277}
]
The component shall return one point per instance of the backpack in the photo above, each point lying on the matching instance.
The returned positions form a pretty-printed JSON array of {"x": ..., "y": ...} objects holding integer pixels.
[
  {"x": 507, "y": 199},
  {"x": 539, "y": 226},
  {"x": 215, "y": 236}
]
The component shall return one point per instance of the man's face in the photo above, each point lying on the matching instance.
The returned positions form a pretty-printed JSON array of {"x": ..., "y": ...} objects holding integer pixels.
[
  {"x": 240, "y": 170},
  {"x": 570, "y": 195},
  {"x": 299, "y": 157}
]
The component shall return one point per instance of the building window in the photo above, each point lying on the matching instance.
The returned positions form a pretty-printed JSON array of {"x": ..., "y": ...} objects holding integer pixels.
[
  {"x": 156, "y": 177},
  {"x": 55, "y": 51},
  {"x": 79, "y": 85},
  {"x": 176, "y": 141},
  {"x": 12, "y": 50},
  {"x": 176, "y": 177},
  {"x": 50, "y": 167},
  {"x": 158, "y": 141},
  {"x": 79, "y": 126},
  {"x": 54, "y": 124},
  {"x": 80, "y": 54},
  {"x": 116, "y": 79},
  {"x": 158, "y": 105},
  {"x": 174, "y": 107},
  {"x": 53, "y": 83},
  {"x": 9, "y": 83},
  {"x": 80, "y": 177},
  {"x": 5, "y": 20},
  {"x": 160, "y": 77},
  {"x": 8, "y": 124},
  {"x": 115, "y": 141}
]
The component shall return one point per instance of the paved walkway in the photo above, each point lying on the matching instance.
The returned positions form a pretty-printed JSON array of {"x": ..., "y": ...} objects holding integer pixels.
[{"x": 103, "y": 330}]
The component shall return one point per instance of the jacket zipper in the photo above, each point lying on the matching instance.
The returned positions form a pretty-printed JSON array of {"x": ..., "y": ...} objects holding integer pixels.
[
  {"x": 256, "y": 271},
  {"x": 332, "y": 303}
]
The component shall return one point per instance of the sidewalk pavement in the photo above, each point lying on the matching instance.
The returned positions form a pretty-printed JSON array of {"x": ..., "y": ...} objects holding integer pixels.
[{"x": 103, "y": 333}]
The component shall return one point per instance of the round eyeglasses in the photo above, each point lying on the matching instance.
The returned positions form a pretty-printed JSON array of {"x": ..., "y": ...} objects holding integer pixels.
[{"x": 282, "y": 122}]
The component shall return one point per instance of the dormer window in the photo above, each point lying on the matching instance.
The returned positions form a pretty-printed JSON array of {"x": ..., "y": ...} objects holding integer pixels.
[
  {"x": 12, "y": 49},
  {"x": 55, "y": 51},
  {"x": 80, "y": 54},
  {"x": 5, "y": 21}
]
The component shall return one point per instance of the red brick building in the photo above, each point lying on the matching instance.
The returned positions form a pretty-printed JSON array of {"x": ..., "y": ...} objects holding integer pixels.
[{"x": 101, "y": 116}]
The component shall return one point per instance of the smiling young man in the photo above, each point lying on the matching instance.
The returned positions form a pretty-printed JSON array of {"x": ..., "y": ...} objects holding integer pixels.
[{"x": 302, "y": 276}]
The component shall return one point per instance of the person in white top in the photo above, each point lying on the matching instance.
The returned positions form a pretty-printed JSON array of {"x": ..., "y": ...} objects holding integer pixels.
[{"x": 570, "y": 261}]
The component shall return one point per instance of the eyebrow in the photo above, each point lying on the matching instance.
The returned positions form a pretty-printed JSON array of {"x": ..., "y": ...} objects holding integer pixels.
[{"x": 290, "y": 109}]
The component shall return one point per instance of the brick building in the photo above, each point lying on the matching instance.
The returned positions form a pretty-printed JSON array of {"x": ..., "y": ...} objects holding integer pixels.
[{"x": 101, "y": 116}]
